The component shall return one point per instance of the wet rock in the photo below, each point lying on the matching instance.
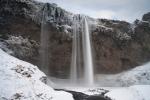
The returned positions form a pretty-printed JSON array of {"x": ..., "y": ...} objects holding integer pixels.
[
  {"x": 17, "y": 96},
  {"x": 22, "y": 47},
  {"x": 23, "y": 71},
  {"x": 43, "y": 79},
  {"x": 82, "y": 96}
]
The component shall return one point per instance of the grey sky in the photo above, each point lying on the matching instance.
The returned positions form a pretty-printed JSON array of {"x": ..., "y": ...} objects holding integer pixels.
[{"x": 128, "y": 10}]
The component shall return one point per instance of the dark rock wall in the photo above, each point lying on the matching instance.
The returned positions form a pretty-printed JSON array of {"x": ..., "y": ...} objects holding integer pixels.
[
  {"x": 146, "y": 17},
  {"x": 114, "y": 54}
]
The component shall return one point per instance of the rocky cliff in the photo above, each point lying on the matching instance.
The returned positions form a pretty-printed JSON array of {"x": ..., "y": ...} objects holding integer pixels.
[{"x": 117, "y": 45}]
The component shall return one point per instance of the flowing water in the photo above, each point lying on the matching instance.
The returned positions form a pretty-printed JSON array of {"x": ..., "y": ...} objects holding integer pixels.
[
  {"x": 74, "y": 55},
  {"x": 81, "y": 30},
  {"x": 44, "y": 48},
  {"x": 76, "y": 52},
  {"x": 87, "y": 54}
]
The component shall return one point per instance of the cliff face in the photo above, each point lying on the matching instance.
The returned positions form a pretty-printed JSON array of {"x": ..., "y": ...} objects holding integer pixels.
[
  {"x": 117, "y": 45},
  {"x": 121, "y": 45}
]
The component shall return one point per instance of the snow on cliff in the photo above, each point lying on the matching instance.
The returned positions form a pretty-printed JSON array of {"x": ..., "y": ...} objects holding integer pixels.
[{"x": 23, "y": 81}]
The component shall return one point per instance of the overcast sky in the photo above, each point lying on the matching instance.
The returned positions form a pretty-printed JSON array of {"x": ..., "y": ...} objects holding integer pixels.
[{"x": 128, "y": 10}]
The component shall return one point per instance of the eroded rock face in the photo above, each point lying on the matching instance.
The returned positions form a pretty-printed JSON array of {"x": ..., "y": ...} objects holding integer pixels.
[
  {"x": 117, "y": 45},
  {"x": 22, "y": 47}
]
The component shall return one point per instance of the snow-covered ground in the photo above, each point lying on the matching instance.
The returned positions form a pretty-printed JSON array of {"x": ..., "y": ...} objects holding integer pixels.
[
  {"x": 136, "y": 76},
  {"x": 133, "y": 84},
  {"x": 136, "y": 92},
  {"x": 20, "y": 80}
]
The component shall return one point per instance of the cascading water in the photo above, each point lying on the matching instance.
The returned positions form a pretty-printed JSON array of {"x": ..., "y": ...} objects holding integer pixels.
[
  {"x": 76, "y": 52},
  {"x": 87, "y": 54},
  {"x": 74, "y": 55},
  {"x": 81, "y": 26},
  {"x": 44, "y": 48}
]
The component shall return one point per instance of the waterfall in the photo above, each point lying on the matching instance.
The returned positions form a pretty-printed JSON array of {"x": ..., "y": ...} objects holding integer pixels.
[
  {"x": 76, "y": 52},
  {"x": 81, "y": 33},
  {"x": 74, "y": 55},
  {"x": 44, "y": 48},
  {"x": 87, "y": 54}
]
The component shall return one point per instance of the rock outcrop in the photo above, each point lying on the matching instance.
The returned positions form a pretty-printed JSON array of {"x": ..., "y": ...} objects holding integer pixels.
[{"x": 146, "y": 17}]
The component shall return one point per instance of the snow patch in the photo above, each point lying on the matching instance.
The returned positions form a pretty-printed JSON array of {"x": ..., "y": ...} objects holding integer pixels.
[
  {"x": 22, "y": 81},
  {"x": 137, "y": 92}
]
